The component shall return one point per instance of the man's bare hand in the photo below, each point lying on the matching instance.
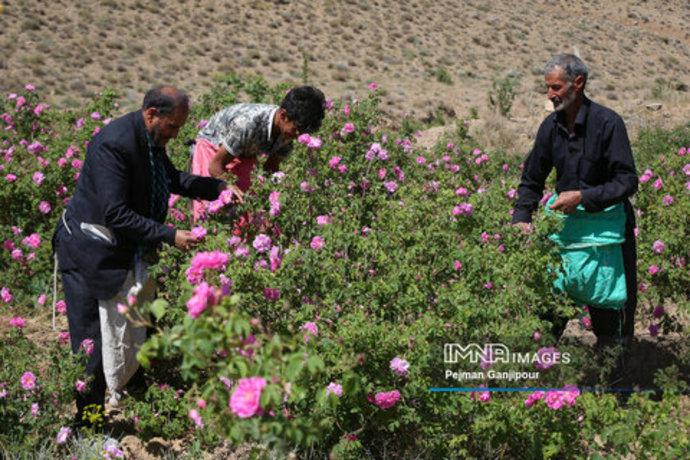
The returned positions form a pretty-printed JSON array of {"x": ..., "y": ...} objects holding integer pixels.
[
  {"x": 567, "y": 202},
  {"x": 184, "y": 240},
  {"x": 238, "y": 194},
  {"x": 526, "y": 227}
]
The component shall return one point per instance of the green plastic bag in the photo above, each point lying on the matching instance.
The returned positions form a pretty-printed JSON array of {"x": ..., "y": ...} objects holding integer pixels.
[{"x": 592, "y": 256}]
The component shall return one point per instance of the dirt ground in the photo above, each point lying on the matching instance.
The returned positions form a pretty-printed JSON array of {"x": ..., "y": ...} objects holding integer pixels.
[{"x": 425, "y": 54}]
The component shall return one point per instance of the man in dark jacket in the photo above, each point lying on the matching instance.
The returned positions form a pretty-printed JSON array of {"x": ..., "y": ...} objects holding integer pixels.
[
  {"x": 116, "y": 215},
  {"x": 589, "y": 147}
]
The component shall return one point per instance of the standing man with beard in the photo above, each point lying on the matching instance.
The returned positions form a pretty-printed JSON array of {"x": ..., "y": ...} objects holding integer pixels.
[
  {"x": 114, "y": 223},
  {"x": 589, "y": 147}
]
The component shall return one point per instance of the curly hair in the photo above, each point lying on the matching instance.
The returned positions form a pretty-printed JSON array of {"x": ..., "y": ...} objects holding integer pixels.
[{"x": 304, "y": 106}]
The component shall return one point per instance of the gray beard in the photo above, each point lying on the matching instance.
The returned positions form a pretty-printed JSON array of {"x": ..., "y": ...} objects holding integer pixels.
[{"x": 566, "y": 101}]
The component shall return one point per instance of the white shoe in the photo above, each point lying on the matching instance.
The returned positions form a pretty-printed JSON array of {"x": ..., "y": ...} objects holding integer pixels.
[{"x": 115, "y": 398}]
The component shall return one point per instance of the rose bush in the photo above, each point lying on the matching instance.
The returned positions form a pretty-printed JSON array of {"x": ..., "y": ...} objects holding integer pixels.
[{"x": 313, "y": 316}]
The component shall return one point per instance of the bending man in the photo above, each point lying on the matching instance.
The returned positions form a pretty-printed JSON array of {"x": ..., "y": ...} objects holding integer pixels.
[{"x": 235, "y": 136}]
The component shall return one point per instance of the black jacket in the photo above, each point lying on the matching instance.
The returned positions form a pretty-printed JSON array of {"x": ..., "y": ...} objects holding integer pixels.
[
  {"x": 114, "y": 190},
  {"x": 596, "y": 159}
]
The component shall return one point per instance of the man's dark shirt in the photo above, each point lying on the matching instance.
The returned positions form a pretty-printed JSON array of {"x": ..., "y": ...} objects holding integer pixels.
[{"x": 596, "y": 159}]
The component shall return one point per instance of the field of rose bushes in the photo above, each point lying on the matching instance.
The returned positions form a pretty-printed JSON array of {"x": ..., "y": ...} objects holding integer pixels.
[{"x": 311, "y": 319}]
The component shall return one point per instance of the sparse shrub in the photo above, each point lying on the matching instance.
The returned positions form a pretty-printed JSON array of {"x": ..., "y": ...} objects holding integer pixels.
[
  {"x": 304, "y": 76},
  {"x": 502, "y": 94},
  {"x": 443, "y": 76}
]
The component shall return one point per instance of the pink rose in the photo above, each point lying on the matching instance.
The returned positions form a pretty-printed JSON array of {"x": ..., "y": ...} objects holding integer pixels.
[
  {"x": 554, "y": 400},
  {"x": 63, "y": 338},
  {"x": 334, "y": 389},
  {"x": 61, "y": 307},
  {"x": 87, "y": 345},
  {"x": 390, "y": 186},
  {"x": 317, "y": 243},
  {"x": 32, "y": 241},
  {"x": 199, "y": 233},
  {"x": 262, "y": 243},
  {"x": 18, "y": 322},
  {"x": 245, "y": 400},
  {"x": 204, "y": 296},
  {"x": 44, "y": 207},
  {"x": 63, "y": 435},
  {"x": 349, "y": 128},
  {"x": 386, "y": 400},
  {"x": 196, "y": 418},
  {"x": 399, "y": 366},
  {"x": 533, "y": 398},
  {"x": 323, "y": 220},
  {"x": 28, "y": 381},
  {"x": 310, "y": 330},
  {"x": 80, "y": 386},
  {"x": 6, "y": 295}
]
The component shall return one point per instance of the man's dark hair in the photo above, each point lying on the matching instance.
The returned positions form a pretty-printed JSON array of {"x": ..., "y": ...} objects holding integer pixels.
[
  {"x": 304, "y": 107},
  {"x": 165, "y": 99}
]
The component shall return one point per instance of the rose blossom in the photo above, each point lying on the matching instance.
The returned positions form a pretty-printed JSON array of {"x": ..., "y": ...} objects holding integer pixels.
[
  {"x": 658, "y": 246},
  {"x": 80, "y": 386},
  {"x": 323, "y": 220},
  {"x": 334, "y": 389},
  {"x": 44, "y": 207},
  {"x": 64, "y": 434},
  {"x": 196, "y": 418},
  {"x": 246, "y": 398},
  {"x": 204, "y": 295},
  {"x": 32, "y": 241},
  {"x": 317, "y": 243},
  {"x": 199, "y": 233},
  {"x": 88, "y": 346},
  {"x": 386, "y": 400},
  {"x": 18, "y": 322},
  {"x": 28, "y": 381},
  {"x": 399, "y": 366},
  {"x": 262, "y": 243},
  {"x": 310, "y": 330}
]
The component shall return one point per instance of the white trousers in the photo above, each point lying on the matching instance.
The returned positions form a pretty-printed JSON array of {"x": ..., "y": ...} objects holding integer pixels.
[{"x": 121, "y": 337}]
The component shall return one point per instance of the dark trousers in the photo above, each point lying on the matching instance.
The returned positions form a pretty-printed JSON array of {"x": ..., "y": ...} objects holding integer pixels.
[
  {"x": 621, "y": 323},
  {"x": 84, "y": 323}
]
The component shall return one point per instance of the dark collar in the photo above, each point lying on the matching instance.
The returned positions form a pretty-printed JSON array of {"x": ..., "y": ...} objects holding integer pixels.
[
  {"x": 581, "y": 117},
  {"x": 140, "y": 130}
]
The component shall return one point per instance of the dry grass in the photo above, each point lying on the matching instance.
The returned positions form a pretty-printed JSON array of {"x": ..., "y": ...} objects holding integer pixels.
[{"x": 431, "y": 52}]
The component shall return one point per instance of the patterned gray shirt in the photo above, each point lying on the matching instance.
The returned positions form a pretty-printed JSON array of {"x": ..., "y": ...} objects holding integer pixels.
[{"x": 245, "y": 131}]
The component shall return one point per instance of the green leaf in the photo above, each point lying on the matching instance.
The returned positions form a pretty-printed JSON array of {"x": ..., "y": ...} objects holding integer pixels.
[
  {"x": 143, "y": 359},
  {"x": 159, "y": 307}
]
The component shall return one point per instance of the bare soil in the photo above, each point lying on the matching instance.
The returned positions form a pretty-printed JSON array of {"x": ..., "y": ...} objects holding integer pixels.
[{"x": 425, "y": 54}]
